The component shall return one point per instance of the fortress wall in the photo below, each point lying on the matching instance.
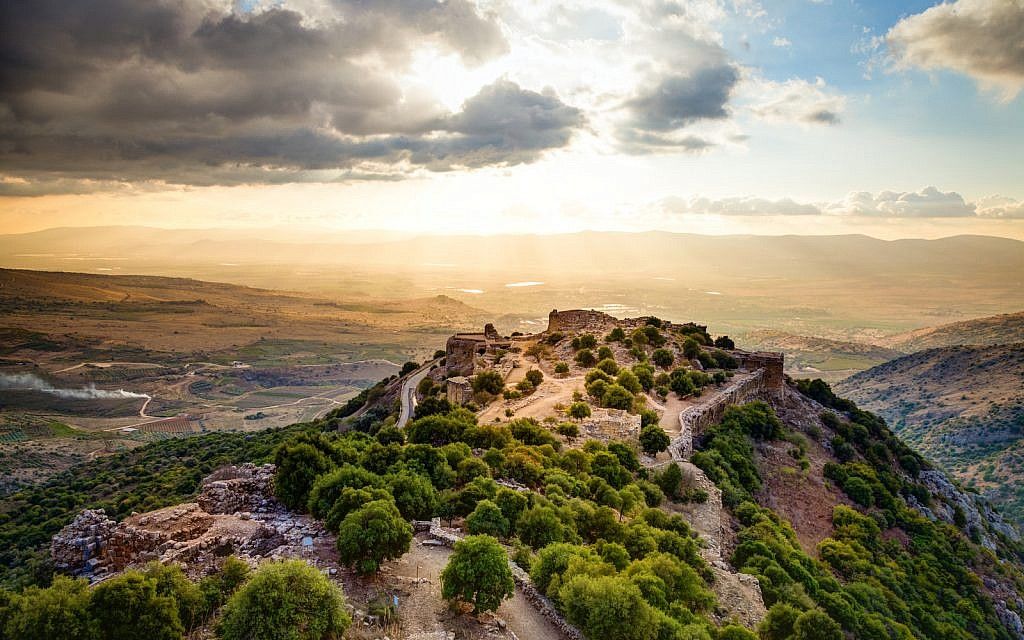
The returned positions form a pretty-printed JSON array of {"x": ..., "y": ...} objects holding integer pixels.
[
  {"x": 580, "y": 320},
  {"x": 694, "y": 420},
  {"x": 460, "y": 353}
]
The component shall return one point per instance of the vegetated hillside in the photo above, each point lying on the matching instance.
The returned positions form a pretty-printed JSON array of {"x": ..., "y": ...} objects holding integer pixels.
[
  {"x": 1001, "y": 329},
  {"x": 849, "y": 532},
  {"x": 816, "y": 357},
  {"x": 962, "y": 407}
]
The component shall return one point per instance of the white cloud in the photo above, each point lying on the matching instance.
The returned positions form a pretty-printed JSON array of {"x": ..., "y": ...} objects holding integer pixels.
[
  {"x": 781, "y": 42},
  {"x": 1000, "y": 207},
  {"x": 927, "y": 203},
  {"x": 739, "y": 206},
  {"x": 983, "y": 39},
  {"x": 794, "y": 100}
]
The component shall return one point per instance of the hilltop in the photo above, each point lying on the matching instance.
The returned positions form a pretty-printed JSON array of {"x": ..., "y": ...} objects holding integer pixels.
[{"x": 962, "y": 406}]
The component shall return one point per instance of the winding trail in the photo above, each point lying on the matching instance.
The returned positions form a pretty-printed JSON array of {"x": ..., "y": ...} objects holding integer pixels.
[{"x": 408, "y": 392}]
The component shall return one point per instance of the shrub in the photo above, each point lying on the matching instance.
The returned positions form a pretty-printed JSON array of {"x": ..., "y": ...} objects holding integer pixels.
[
  {"x": 540, "y": 526},
  {"x": 478, "y": 573},
  {"x": 299, "y": 464},
  {"x": 487, "y": 519},
  {"x": 628, "y": 380},
  {"x": 691, "y": 348},
  {"x": 617, "y": 397},
  {"x": 562, "y": 368},
  {"x": 663, "y": 358},
  {"x": 371, "y": 534},
  {"x": 128, "y": 607},
  {"x": 725, "y": 342},
  {"x": 59, "y": 611},
  {"x": 489, "y": 382},
  {"x": 653, "y": 439},
  {"x": 585, "y": 358},
  {"x": 288, "y": 600},
  {"x": 615, "y": 335},
  {"x": 535, "y": 377},
  {"x": 609, "y": 366},
  {"x": 579, "y": 410},
  {"x": 414, "y": 495},
  {"x": 605, "y": 353},
  {"x": 608, "y": 607}
]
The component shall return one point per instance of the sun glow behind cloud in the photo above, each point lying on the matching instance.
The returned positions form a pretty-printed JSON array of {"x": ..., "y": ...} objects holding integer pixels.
[{"x": 493, "y": 117}]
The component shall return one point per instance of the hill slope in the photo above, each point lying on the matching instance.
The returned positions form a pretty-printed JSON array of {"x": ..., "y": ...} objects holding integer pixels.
[
  {"x": 961, "y": 406},
  {"x": 1001, "y": 329}
]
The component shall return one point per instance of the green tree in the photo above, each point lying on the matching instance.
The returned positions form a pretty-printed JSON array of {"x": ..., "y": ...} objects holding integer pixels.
[
  {"x": 628, "y": 381},
  {"x": 617, "y": 397},
  {"x": 608, "y": 607},
  {"x": 562, "y": 368},
  {"x": 725, "y": 342},
  {"x": 605, "y": 353},
  {"x": 816, "y": 625},
  {"x": 59, "y": 611},
  {"x": 286, "y": 601},
  {"x": 415, "y": 497},
  {"x": 128, "y": 607},
  {"x": 488, "y": 381},
  {"x": 371, "y": 534},
  {"x": 608, "y": 365},
  {"x": 408, "y": 368},
  {"x": 540, "y": 526},
  {"x": 585, "y": 358},
  {"x": 478, "y": 573},
  {"x": 579, "y": 410},
  {"x": 220, "y": 586},
  {"x": 487, "y": 519},
  {"x": 512, "y": 503},
  {"x": 298, "y": 467},
  {"x": 615, "y": 335},
  {"x": 663, "y": 358},
  {"x": 171, "y": 582},
  {"x": 778, "y": 624},
  {"x": 535, "y": 376},
  {"x": 327, "y": 487},
  {"x": 351, "y": 499},
  {"x": 653, "y": 439},
  {"x": 691, "y": 348}
]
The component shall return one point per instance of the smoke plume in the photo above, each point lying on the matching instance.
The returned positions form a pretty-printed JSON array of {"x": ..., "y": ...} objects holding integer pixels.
[{"x": 31, "y": 382}]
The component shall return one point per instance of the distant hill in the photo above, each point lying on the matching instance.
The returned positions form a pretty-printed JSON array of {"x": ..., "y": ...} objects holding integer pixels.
[
  {"x": 962, "y": 406},
  {"x": 814, "y": 357},
  {"x": 1000, "y": 329},
  {"x": 120, "y": 315}
]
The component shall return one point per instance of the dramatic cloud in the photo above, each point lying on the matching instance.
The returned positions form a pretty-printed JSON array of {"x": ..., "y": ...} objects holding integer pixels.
[
  {"x": 193, "y": 92},
  {"x": 927, "y": 203},
  {"x": 980, "y": 38},
  {"x": 794, "y": 100},
  {"x": 745, "y": 206}
]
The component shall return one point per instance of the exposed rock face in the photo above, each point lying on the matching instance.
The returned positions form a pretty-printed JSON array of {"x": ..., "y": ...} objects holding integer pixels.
[{"x": 978, "y": 514}]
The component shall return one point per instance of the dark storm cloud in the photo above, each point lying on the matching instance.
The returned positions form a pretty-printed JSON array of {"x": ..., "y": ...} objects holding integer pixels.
[
  {"x": 190, "y": 92},
  {"x": 673, "y": 103}
]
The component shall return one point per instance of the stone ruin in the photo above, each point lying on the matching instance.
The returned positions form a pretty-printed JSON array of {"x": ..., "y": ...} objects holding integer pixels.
[
  {"x": 235, "y": 513},
  {"x": 611, "y": 424},
  {"x": 465, "y": 353}
]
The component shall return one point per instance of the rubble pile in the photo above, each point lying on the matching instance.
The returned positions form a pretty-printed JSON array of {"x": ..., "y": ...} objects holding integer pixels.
[{"x": 235, "y": 514}]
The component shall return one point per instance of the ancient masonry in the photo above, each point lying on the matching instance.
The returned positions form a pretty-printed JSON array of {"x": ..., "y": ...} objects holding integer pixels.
[
  {"x": 234, "y": 514},
  {"x": 464, "y": 352}
]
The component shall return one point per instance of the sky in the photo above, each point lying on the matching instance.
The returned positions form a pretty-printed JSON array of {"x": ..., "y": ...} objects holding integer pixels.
[{"x": 895, "y": 119}]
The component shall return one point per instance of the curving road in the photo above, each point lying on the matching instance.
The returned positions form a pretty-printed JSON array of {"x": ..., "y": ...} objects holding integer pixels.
[{"x": 409, "y": 393}]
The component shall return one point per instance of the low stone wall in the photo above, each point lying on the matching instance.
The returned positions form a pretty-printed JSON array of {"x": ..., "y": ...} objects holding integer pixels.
[{"x": 522, "y": 579}]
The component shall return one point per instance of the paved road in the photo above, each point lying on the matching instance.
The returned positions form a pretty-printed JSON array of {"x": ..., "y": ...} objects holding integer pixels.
[{"x": 409, "y": 393}]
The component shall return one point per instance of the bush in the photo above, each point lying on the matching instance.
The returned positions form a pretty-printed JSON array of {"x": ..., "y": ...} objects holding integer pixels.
[
  {"x": 816, "y": 625},
  {"x": 59, "y": 611},
  {"x": 562, "y": 368},
  {"x": 691, "y": 348},
  {"x": 128, "y": 607},
  {"x": 371, "y": 534},
  {"x": 663, "y": 358},
  {"x": 617, "y": 397},
  {"x": 725, "y": 342},
  {"x": 615, "y": 335},
  {"x": 487, "y": 519},
  {"x": 540, "y": 526},
  {"x": 478, "y": 573},
  {"x": 488, "y": 382},
  {"x": 298, "y": 466},
  {"x": 579, "y": 410},
  {"x": 605, "y": 353},
  {"x": 607, "y": 607},
  {"x": 288, "y": 600},
  {"x": 535, "y": 377},
  {"x": 653, "y": 439},
  {"x": 628, "y": 381},
  {"x": 609, "y": 366},
  {"x": 414, "y": 495},
  {"x": 408, "y": 368},
  {"x": 585, "y": 358}
]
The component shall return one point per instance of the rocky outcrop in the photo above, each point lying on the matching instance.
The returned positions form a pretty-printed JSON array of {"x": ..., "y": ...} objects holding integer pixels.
[{"x": 978, "y": 515}]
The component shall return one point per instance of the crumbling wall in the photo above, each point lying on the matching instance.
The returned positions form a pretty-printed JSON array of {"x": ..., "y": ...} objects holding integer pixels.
[
  {"x": 461, "y": 353},
  {"x": 694, "y": 420},
  {"x": 81, "y": 544},
  {"x": 611, "y": 424},
  {"x": 579, "y": 320},
  {"x": 246, "y": 487},
  {"x": 772, "y": 363}
]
